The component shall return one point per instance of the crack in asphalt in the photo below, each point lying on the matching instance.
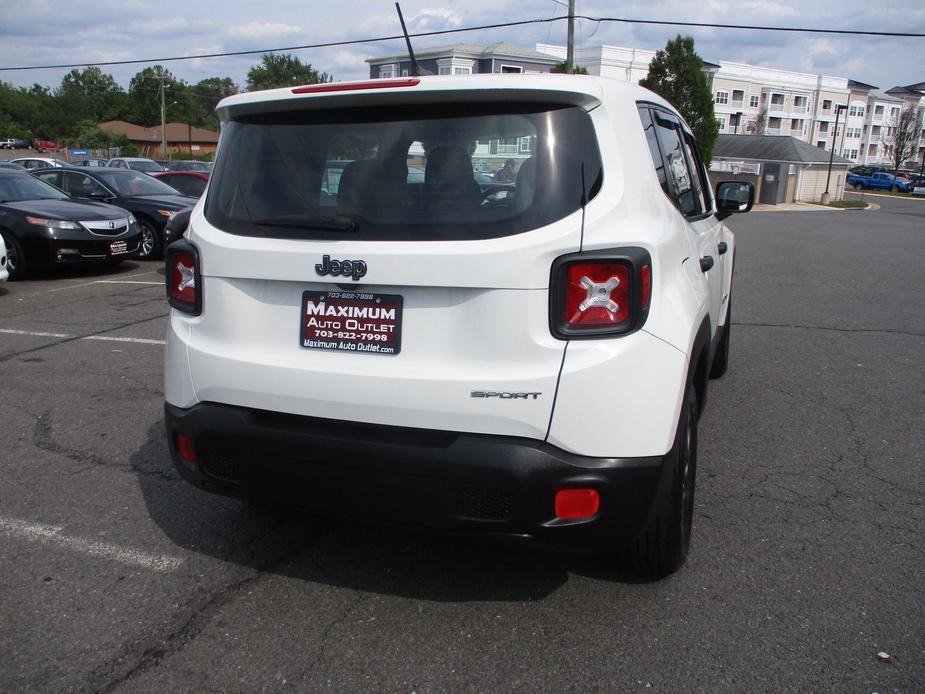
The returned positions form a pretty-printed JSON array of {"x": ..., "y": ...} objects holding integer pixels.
[
  {"x": 148, "y": 652},
  {"x": 43, "y": 439},
  {"x": 886, "y": 331},
  {"x": 36, "y": 309},
  {"x": 65, "y": 340}
]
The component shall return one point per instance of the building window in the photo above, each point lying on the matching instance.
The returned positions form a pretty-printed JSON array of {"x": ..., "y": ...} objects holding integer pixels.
[
  {"x": 855, "y": 110},
  {"x": 721, "y": 124},
  {"x": 722, "y": 97},
  {"x": 737, "y": 96},
  {"x": 512, "y": 68},
  {"x": 878, "y": 111},
  {"x": 826, "y": 104},
  {"x": 387, "y": 71},
  {"x": 454, "y": 66},
  {"x": 753, "y": 101},
  {"x": 823, "y": 127}
]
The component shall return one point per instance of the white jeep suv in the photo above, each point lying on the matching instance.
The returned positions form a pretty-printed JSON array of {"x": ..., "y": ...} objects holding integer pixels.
[{"x": 524, "y": 359}]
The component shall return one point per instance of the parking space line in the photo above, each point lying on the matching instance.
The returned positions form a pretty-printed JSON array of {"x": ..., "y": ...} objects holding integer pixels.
[
  {"x": 51, "y": 534},
  {"x": 89, "y": 284},
  {"x": 159, "y": 284},
  {"x": 32, "y": 334},
  {"x": 98, "y": 338},
  {"x": 136, "y": 340}
]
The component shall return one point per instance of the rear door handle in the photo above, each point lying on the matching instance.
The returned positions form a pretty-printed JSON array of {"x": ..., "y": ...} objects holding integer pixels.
[
  {"x": 722, "y": 248},
  {"x": 706, "y": 262}
]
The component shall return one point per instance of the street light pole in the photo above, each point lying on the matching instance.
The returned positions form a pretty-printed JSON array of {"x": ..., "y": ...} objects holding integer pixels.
[
  {"x": 163, "y": 119},
  {"x": 825, "y": 196}
]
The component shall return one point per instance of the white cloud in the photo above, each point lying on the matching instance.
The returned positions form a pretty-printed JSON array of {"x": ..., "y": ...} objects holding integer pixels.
[
  {"x": 262, "y": 30},
  {"x": 434, "y": 19}
]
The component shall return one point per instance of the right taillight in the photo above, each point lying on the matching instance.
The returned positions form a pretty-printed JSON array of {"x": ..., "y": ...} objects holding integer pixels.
[
  {"x": 600, "y": 293},
  {"x": 184, "y": 281}
]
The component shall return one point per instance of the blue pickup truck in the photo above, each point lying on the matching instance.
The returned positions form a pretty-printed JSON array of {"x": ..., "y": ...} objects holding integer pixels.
[{"x": 878, "y": 180}]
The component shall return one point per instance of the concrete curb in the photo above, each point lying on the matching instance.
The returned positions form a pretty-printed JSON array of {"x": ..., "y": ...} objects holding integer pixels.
[{"x": 810, "y": 207}]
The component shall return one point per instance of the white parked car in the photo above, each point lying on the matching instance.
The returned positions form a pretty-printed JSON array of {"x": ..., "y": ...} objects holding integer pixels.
[
  {"x": 38, "y": 162},
  {"x": 135, "y": 164},
  {"x": 4, "y": 262},
  {"x": 529, "y": 366}
]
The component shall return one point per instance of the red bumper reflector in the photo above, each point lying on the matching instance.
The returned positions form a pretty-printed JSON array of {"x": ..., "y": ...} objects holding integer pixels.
[
  {"x": 646, "y": 286},
  {"x": 355, "y": 86},
  {"x": 575, "y": 504},
  {"x": 185, "y": 448}
]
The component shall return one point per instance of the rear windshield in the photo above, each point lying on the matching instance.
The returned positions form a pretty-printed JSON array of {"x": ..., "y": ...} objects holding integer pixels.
[{"x": 421, "y": 173}]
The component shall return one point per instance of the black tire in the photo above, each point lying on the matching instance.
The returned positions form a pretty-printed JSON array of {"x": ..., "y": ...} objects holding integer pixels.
[
  {"x": 16, "y": 262},
  {"x": 858, "y": 186},
  {"x": 661, "y": 548},
  {"x": 150, "y": 241},
  {"x": 721, "y": 358}
]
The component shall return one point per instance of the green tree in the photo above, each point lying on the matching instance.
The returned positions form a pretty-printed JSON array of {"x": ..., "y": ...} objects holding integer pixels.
[
  {"x": 91, "y": 94},
  {"x": 207, "y": 93},
  {"x": 676, "y": 74},
  {"x": 562, "y": 68},
  {"x": 282, "y": 71},
  {"x": 145, "y": 97}
]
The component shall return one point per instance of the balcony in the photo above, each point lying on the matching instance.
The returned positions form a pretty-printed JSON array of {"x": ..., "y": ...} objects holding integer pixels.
[
  {"x": 799, "y": 109},
  {"x": 772, "y": 131},
  {"x": 737, "y": 103}
]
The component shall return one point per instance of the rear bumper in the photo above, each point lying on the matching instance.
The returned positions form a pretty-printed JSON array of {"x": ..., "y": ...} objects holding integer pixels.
[{"x": 497, "y": 486}]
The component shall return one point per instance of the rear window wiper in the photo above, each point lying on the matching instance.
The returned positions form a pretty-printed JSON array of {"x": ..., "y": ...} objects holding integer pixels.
[{"x": 337, "y": 223}]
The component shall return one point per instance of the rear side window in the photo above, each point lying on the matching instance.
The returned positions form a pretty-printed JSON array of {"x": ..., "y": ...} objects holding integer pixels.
[
  {"x": 677, "y": 162},
  {"x": 404, "y": 173}
]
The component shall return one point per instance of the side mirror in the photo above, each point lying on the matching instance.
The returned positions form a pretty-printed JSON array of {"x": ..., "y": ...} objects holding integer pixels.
[
  {"x": 734, "y": 197},
  {"x": 103, "y": 197}
]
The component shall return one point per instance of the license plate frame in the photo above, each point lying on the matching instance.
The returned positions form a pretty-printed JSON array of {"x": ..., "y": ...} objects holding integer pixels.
[{"x": 345, "y": 321}]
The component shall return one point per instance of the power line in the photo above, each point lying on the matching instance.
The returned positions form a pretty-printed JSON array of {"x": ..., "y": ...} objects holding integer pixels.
[{"x": 483, "y": 27}]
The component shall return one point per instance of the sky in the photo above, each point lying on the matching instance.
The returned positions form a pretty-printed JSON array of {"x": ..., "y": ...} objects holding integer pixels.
[{"x": 41, "y": 32}]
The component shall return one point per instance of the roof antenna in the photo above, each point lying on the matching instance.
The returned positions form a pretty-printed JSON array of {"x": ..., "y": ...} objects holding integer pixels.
[{"x": 415, "y": 70}]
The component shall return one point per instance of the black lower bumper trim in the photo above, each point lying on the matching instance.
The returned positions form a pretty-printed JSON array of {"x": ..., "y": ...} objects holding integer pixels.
[{"x": 458, "y": 482}]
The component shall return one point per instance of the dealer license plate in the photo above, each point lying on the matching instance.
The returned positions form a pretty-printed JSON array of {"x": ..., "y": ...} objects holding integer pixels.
[
  {"x": 118, "y": 247},
  {"x": 351, "y": 322}
]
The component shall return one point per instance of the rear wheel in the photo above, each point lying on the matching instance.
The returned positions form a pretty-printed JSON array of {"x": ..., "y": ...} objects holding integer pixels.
[
  {"x": 15, "y": 258},
  {"x": 662, "y": 547},
  {"x": 858, "y": 186},
  {"x": 150, "y": 241}
]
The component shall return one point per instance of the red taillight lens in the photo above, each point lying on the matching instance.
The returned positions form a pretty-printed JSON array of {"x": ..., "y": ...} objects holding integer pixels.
[
  {"x": 356, "y": 86},
  {"x": 576, "y": 504},
  {"x": 184, "y": 291},
  {"x": 185, "y": 448},
  {"x": 600, "y": 293},
  {"x": 597, "y": 294}
]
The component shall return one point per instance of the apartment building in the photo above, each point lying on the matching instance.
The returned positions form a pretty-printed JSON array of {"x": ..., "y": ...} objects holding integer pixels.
[
  {"x": 463, "y": 59},
  {"x": 754, "y": 100}
]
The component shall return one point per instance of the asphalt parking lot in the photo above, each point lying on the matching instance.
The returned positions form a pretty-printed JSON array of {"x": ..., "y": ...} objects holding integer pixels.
[{"x": 806, "y": 571}]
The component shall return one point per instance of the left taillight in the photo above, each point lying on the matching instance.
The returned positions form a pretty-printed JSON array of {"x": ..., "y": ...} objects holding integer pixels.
[
  {"x": 600, "y": 293},
  {"x": 184, "y": 281}
]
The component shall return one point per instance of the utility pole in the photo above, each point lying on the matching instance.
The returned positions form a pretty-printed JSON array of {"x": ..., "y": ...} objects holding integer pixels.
[
  {"x": 570, "y": 49},
  {"x": 163, "y": 117}
]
